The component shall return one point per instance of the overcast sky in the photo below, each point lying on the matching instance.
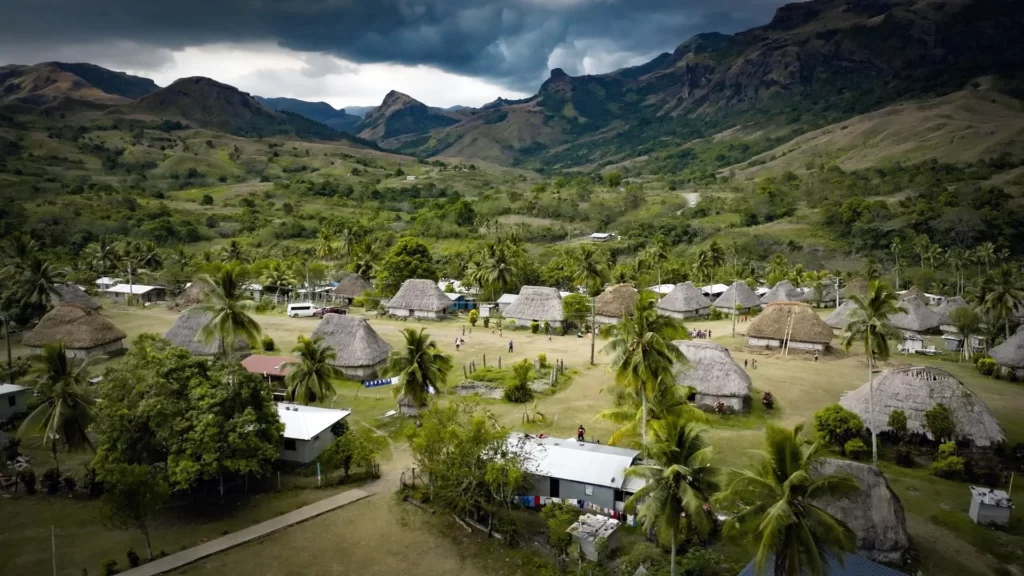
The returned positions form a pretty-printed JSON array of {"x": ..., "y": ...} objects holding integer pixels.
[{"x": 352, "y": 52}]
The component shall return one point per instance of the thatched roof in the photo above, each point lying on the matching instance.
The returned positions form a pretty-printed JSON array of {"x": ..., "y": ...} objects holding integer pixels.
[
  {"x": 875, "y": 513},
  {"x": 783, "y": 291},
  {"x": 917, "y": 318},
  {"x": 423, "y": 295},
  {"x": 711, "y": 370},
  {"x": 745, "y": 297},
  {"x": 1011, "y": 352},
  {"x": 537, "y": 303},
  {"x": 916, "y": 390},
  {"x": 841, "y": 316},
  {"x": 351, "y": 286},
  {"x": 185, "y": 333},
  {"x": 684, "y": 297},
  {"x": 913, "y": 292},
  {"x": 617, "y": 301},
  {"x": 78, "y": 328},
  {"x": 774, "y": 322},
  {"x": 75, "y": 296},
  {"x": 355, "y": 341},
  {"x": 951, "y": 304},
  {"x": 828, "y": 294},
  {"x": 194, "y": 294}
]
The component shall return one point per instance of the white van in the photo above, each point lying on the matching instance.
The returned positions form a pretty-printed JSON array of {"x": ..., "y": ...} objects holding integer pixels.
[{"x": 303, "y": 310}]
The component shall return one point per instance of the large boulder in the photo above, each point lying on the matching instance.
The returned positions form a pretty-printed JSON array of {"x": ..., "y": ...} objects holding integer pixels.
[{"x": 875, "y": 514}]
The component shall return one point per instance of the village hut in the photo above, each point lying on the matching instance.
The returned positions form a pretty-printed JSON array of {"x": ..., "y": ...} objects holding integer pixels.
[
  {"x": 841, "y": 317},
  {"x": 737, "y": 299},
  {"x": 792, "y": 322},
  {"x": 536, "y": 304},
  {"x": 407, "y": 407},
  {"x": 918, "y": 318},
  {"x": 615, "y": 303},
  {"x": 82, "y": 331},
  {"x": 857, "y": 287},
  {"x": 74, "y": 296},
  {"x": 1010, "y": 354},
  {"x": 951, "y": 304},
  {"x": 350, "y": 287},
  {"x": 823, "y": 297},
  {"x": 913, "y": 292},
  {"x": 361, "y": 352},
  {"x": 684, "y": 301},
  {"x": 916, "y": 390},
  {"x": 185, "y": 334},
  {"x": 713, "y": 374},
  {"x": 195, "y": 293},
  {"x": 419, "y": 299},
  {"x": 874, "y": 513},
  {"x": 783, "y": 291}
]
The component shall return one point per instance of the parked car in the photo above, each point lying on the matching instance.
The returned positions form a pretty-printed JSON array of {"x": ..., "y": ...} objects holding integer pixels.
[
  {"x": 303, "y": 310},
  {"x": 330, "y": 310}
]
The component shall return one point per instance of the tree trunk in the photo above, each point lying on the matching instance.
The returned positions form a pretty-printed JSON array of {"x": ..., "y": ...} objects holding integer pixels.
[
  {"x": 672, "y": 551},
  {"x": 53, "y": 452},
  {"x": 643, "y": 419},
  {"x": 149, "y": 546},
  {"x": 871, "y": 405},
  {"x": 222, "y": 486}
]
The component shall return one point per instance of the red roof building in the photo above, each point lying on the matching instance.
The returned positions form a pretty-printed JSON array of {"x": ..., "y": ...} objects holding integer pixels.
[{"x": 268, "y": 366}]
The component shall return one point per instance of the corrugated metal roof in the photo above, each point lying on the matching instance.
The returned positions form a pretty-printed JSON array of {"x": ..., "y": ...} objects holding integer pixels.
[
  {"x": 268, "y": 365},
  {"x": 585, "y": 462},
  {"x": 11, "y": 389},
  {"x": 853, "y": 565}
]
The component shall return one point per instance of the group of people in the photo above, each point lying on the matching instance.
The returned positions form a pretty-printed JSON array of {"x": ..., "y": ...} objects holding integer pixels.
[{"x": 700, "y": 334}]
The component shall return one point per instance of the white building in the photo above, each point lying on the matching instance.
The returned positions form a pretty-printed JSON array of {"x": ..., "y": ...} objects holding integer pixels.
[
  {"x": 143, "y": 292},
  {"x": 990, "y": 507},
  {"x": 713, "y": 291},
  {"x": 13, "y": 400},
  {"x": 307, "y": 431},
  {"x": 106, "y": 282},
  {"x": 600, "y": 236},
  {"x": 505, "y": 301}
]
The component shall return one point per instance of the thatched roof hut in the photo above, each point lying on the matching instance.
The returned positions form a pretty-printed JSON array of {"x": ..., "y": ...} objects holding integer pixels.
[
  {"x": 351, "y": 286},
  {"x": 841, "y": 317},
  {"x": 711, "y": 371},
  {"x": 536, "y": 304},
  {"x": 946, "y": 308},
  {"x": 874, "y": 513},
  {"x": 419, "y": 298},
  {"x": 194, "y": 294},
  {"x": 793, "y": 321},
  {"x": 1010, "y": 354},
  {"x": 827, "y": 297},
  {"x": 75, "y": 296},
  {"x": 913, "y": 292},
  {"x": 615, "y": 303},
  {"x": 783, "y": 291},
  {"x": 916, "y": 390},
  {"x": 738, "y": 296},
  {"x": 361, "y": 352},
  {"x": 185, "y": 333},
  {"x": 683, "y": 301},
  {"x": 917, "y": 318},
  {"x": 82, "y": 331}
]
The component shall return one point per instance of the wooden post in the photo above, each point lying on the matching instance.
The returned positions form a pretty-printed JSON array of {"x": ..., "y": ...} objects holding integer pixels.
[
  {"x": 499, "y": 361},
  {"x": 464, "y": 374},
  {"x": 485, "y": 360}
]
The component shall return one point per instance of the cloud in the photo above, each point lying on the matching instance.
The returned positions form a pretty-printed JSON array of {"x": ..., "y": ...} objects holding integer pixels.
[{"x": 505, "y": 42}]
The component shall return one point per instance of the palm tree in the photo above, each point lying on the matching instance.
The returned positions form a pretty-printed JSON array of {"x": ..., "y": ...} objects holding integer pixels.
[
  {"x": 985, "y": 253},
  {"x": 499, "y": 269},
  {"x": 1004, "y": 297},
  {"x": 716, "y": 257},
  {"x": 933, "y": 253},
  {"x": 103, "y": 255},
  {"x": 233, "y": 252},
  {"x": 230, "y": 309},
  {"x": 65, "y": 413},
  {"x": 775, "y": 503},
  {"x": 643, "y": 355},
  {"x": 346, "y": 242},
  {"x": 968, "y": 324},
  {"x": 590, "y": 272},
  {"x": 420, "y": 365},
  {"x": 896, "y": 246},
  {"x": 325, "y": 245},
  {"x": 921, "y": 244},
  {"x": 37, "y": 282},
  {"x": 870, "y": 326},
  {"x": 278, "y": 276},
  {"x": 674, "y": 501},
  {"x": 777, "y": 267},
  {"x": 667, "y": 402},
  {"x": 655, "y": 255},
  {"x": 311, "y": 375}
]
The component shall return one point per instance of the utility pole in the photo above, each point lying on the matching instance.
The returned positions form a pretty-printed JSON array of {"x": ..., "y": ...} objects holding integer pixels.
[
  {"x": 593, "y": 328},
  {"x": 733, "y": 288},
  {"x": 7, "y": 338},
  {"x": 837, "y": 291}
]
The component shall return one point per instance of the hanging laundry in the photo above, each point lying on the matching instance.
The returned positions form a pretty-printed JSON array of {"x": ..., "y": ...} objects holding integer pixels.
[{"x": 536, "y": 501}]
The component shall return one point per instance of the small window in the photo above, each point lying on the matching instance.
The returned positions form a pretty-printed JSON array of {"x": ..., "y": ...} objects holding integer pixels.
[
  {"x": 588, "y": 490},
  {"x": 289, "y": 445},
  {"x": 12, "y": 400}
]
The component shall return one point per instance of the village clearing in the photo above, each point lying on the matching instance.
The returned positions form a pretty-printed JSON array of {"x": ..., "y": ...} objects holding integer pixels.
[{"x": 380, "y": 535}]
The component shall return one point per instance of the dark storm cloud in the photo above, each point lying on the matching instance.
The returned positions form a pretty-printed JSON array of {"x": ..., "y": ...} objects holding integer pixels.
[{"x": 505, "y": 40}]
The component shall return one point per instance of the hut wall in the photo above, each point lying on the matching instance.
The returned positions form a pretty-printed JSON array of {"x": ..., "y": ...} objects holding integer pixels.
[
  {"x": 409, "y": 411},
  {"x": 989, "y": 515},
  {"x": 728, "y": 310},
  {"x": 525, "y": 323},
  {"x": 429, "y": 315},
  {"x": 607, "y": 319},
  {"x": 708, "y": 401},
  {"x": 684, "y": 315},
  {"x": 83, "y": 353},
  {"x": 20, "y": 405},
  {"x": 361, "y": 372},
  {"x": 307, "y": 450},
  {"x": 793, "y": 344}
]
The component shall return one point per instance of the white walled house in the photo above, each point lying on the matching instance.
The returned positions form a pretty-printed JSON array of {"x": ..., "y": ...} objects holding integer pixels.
[
  {"x": 13, "y": 400},
  {"x": 142, "y": 292},
  {"x": 307, "y": 431}
]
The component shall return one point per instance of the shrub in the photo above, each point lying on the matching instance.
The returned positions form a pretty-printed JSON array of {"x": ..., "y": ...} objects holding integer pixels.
[
  {"x": 987, "y": 366},
  {"x": 898, "y": 423},
  {"x": 518, "y": 390},
  {"x": 487, "y": 322},
  {"x": 108, "y": 568},
  {"x": 534, "y": 327},
  {"x": 559, "y": 517},
  {"x": 768, "y": 400},
  {"x": 903, "y": 457},
  {"x": 951, "y": 468},
  {"x": 837, "y": 425},
  {"x": 547, "y": 327},
  {"x": 133, "y": 559},
  {"x": 939, "y": 421},
  {"x": 27, "y": 477},
  {"x": 560, "y": 331},
  {"x": 542, "y": 360},
  {"x": 947, "y": 450},
  {"x": 50, "y": 481},
  {"x": 267, "y": 344},
  {"x": 643, "y": 554},
  {"x": 703, "y": 562},
  {"x": 70, "y": 484},
  {"x": 855, "y": 449},
  {"x": 474, "y": 316},
  {"x": 206, "y": 200}
]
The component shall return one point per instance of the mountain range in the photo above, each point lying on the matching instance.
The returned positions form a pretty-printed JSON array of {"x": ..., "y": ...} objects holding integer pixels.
[{"x": 814, "y": 64}]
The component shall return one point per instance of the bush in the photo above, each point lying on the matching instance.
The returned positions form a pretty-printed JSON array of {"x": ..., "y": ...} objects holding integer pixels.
[
  {"x": 108, "y": 568},
  {"x": 837, "y": 425},
  {"x": 518, "y": 390},
  {"x": 947, "y": 450},
  {"x": 70, "y": 484},
  {"x": 474, "y": 316},
  {"x": 206, "y": 200},
  {"x": 27, "y": 477},
  {"x": 267, "y": 344},
  {"x": 534, "y": 327},
  {"x": 542, "y": 360},
  {"x": 703, "y": 562},
  {"x": 939, "y": 421},
  {"x": 987, "y": 366},
  {"x": 133, "y": 559},
  {"x": 644, "y": 554},
  {"x": 487, "y": 322},
  {"x": 903, "y": 457},
  {"x": 547, "y": 327},
  {"x": 898, "y": 423},
  {"x": 50, "y": 481},
  {"x": 855, "y": 449},
  {"x": 951, "y": 468},
  {"x": 559, "y": 517}
]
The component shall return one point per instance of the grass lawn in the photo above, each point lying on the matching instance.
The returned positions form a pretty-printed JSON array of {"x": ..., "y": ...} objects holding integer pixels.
[{"x": 365, "y": 534}]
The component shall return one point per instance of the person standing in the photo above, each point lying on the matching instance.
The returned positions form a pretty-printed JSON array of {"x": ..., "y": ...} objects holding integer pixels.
[
  {"x": 744, "y": 363},
  {"x": 581, "y": 433},
  {"x": 457, "y": 343},
  {"x": 815, "y": 355},
  {"x": 510, "y": 347}
]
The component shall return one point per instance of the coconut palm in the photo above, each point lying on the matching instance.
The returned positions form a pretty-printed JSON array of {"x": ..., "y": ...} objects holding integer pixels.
[
  {"x": 933, "y": 253},
  {"x": 37, "y": 281},
  {"x": 102, "y": 254},
  {"x": 643, "y": 355},
  {"x": 590, "y": 272},
  {"x": 233, "y": 252},
  {"x": 230, "y": 310},
  {"x": 1004, "y": 296},
  {"x": 870, "y": 326},
  {"x": 674, "y": 501},
  {"x": 921, "y": 244},
  {"x": 66, "y": 411},
  {"x": 655, "y": 255},
  {"x": 774, "y": 502},
  {"x": 325, "y": 247},
  {"x": 896, "y": 247},
  {"x": 498, "y": 271},
  {"x": 311, "y": 375},
  {"x": 716, "y": 257},
  {"x": 984, "y": 253},
  {"x": 420, "y": 365},
  {"x": 667, "y": 402},
  {"x": 777, "y": 267},
  {"x": 968, "y": 324},
  {"x": 279, "y": 276}
]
